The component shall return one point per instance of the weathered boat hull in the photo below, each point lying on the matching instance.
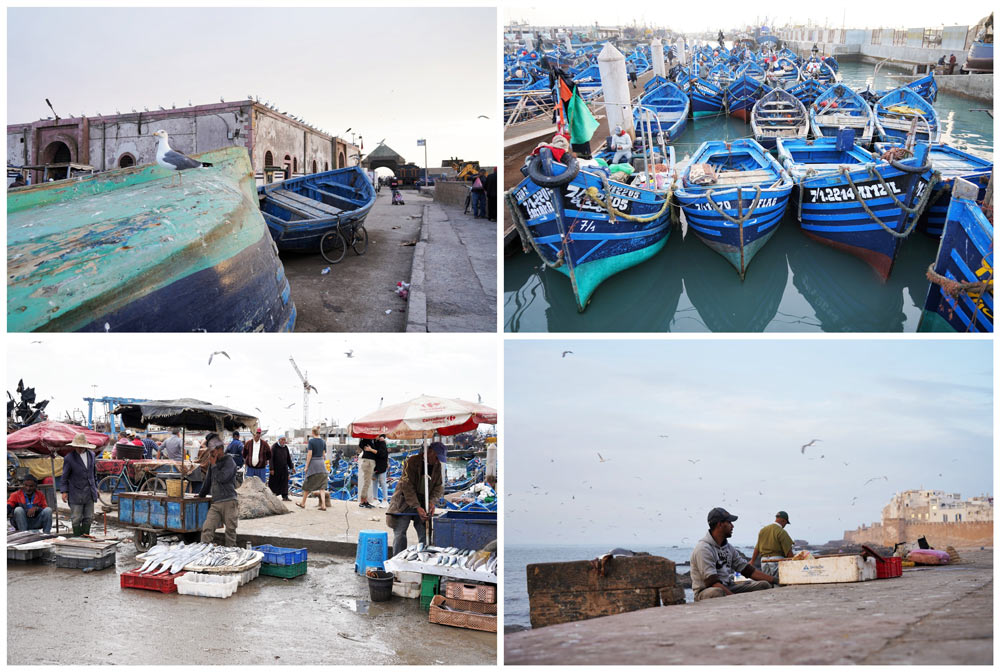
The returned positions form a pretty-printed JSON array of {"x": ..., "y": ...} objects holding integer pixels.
[
  {"x": 741, "y": 95},
  {"x": 965, "y": 255},
  {"x": 121, "y": 251}
]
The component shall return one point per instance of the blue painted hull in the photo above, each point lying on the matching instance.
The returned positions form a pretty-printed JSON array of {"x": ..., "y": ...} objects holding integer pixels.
[
  {"x": 346, "y": 190},
  {"x": 670, "y": 105},
  {"x": 894, "y": 127},
  {"x": 706, "y": 98},
  {"x": 742, "y": 94},
  {"x": 965, "y": 255},
  {"x": 807, "y": 91},
  {"x": 595, "y": 247}
]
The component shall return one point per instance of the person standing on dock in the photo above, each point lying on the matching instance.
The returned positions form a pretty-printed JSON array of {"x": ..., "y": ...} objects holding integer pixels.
[
  {"x": 150, "y": 446},
  {"x": 632, "y": 75},
  {"x": 714, "y": 562},
  {"x": 407, "y": 504},
  {"x": 951, "y": 64},
  {"x": 380, "y": 478},
  {"x": 366, "y": 469},
  {"x": 281, "y": 461},
  {"x": 79, "y": 484},
  {"x": 235, "y": 448},
  {"x": 773, "y": 543},
  {"x": 479, "y": 196},
  {"x": 491, "y": 196},
  {"x": 256, "y": 454},
  {"x": 172, "y": 447},
  {"x": 220, "y": 482}
]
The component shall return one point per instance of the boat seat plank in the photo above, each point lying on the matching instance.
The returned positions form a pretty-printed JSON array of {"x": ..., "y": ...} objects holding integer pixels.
[
  {"x": 736, "y": 177},
  {"x": 306, "y": 202},
  {"x": 281, "y": 198}
]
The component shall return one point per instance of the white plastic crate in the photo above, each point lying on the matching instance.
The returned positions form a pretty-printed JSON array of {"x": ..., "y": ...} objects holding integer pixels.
[
  {"x": 207, "y": 585},
  {"x": 409, "y": 577},
  {"x": 249, "y": 575},
  {"x": 407, "y": 589},
  {"x": 831, "y": 569}
]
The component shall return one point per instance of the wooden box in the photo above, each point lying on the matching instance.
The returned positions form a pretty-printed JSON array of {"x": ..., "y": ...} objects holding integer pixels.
[
  {"x": 471, "y": 592},
  {"x": 471, "y": 616},
  {"x": 561, "y": 592}
]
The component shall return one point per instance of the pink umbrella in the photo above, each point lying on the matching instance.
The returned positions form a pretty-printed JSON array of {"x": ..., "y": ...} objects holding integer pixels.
[{"x": 421, "y": 418}]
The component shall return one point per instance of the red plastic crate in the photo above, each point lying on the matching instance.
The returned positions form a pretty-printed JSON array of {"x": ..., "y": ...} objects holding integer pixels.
[
  {"x": 888, "y": 568},
  {"x": 163, "y": 583}
]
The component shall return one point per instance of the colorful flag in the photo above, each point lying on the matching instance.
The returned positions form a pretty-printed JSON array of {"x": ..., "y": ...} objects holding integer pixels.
[{"x": 581, "y": 122}]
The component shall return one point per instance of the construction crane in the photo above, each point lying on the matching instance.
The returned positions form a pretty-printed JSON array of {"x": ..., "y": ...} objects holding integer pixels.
[{"x": 306, "y": 387}]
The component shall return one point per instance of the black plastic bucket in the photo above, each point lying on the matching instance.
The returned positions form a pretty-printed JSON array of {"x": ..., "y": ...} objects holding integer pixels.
[{"x": 380, "y": 585}]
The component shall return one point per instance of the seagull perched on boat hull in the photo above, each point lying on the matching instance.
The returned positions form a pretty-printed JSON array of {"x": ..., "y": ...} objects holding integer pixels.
[{"x": 172, "y": 160}]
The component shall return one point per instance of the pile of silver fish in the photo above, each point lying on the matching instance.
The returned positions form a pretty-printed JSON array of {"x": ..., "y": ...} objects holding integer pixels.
[
  {"x": 167, "y": 559},
  {"x": 451, "y": 557}
]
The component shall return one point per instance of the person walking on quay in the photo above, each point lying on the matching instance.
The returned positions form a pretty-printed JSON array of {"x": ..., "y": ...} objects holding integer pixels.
[
  {"x": 773, "y": 543},
  {"x": 79, "y": 484},
  {"x": 714, "y": 562},
  {"x": 281, "y": 461},
  {"x": 316, "y": 478},
  {"x": 28, "y": 509},
  {"x": 220, "y": 482},
  {"x": 951, "y": 64},
  {"x": 172, "y": 447},
  {"x": 407, "y": 503},
  {"x": 366, "y": 470},
  {"x": 491, "y": 196},
  {"x": 632, "y": 75},
  {"x": 150, "y": 446},
  {"x": 256, "y": 454},
  {"x": 479, "y": 196},
  {"x": 381, "y": 472}
]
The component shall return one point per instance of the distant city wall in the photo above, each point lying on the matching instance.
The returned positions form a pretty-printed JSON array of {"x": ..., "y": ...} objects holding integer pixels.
[{"x": 938, "y": 534}]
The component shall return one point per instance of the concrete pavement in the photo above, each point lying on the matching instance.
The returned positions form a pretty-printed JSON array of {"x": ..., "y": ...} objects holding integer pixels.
[{"x": 929, "y": 616}]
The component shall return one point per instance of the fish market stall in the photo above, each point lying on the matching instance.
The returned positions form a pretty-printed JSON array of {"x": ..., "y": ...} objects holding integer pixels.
[{"x": 450, "y": 562}]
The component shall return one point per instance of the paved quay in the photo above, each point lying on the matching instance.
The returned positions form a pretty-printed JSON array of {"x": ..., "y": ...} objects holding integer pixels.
[{"x": 929, "y": 616}]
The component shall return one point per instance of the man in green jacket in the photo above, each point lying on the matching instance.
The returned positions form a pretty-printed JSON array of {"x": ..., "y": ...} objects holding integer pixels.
[{"x": 773, "y": 543}]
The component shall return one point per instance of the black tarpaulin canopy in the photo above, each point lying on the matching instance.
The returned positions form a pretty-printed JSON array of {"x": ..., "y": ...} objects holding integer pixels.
[{"x": 190, "y": 414}]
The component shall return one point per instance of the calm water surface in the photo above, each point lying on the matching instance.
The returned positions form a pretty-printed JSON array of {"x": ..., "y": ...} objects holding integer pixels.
[{"x": 793, "y": 284}]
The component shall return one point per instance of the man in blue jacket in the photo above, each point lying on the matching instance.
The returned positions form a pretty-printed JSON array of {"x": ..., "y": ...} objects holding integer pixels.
[
  {"x": 79, "y": 484},
  {"x": 235, "y": 448},
  {"x": 220, "y": 482}
]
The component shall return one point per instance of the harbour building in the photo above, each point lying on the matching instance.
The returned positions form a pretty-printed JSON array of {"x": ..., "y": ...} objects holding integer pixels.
[{"x": 941, "y": 517}]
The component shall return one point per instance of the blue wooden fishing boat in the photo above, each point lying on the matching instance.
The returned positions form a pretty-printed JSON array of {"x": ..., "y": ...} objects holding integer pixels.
[
  {"x": 121, "y": 251},
  {"x": 949, "y": 163},
  {"x": 960, "y": 297},
  {"x": 808, "y": 91},
  {"x": 850, "y": 200},
  {"x": 778, "y": 114},
  {"x": 838, "y": 108},
  {"x": 733, "y": 196},
  {"x": 822, "y": 71},
  {"x": 706, "y": 98},
  {"x": 926, "y": 87},
  {"x": 741, "y": 95},
  {"x": 783, "y": 73},
  {"x": 300, "y": 210},
  {"x": 587, "y": 237},
  {"x": 666, "y": 106},
  {"x": 896, "y": 111}
]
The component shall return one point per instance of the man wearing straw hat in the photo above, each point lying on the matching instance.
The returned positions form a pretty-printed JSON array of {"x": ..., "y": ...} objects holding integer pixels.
[
  {"x": 407, "y": 503},
  {"x": 79, "y": 484}
]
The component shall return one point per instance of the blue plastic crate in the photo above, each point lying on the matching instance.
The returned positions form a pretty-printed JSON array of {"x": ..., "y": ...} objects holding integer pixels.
[{"x": 274, "y": 555}]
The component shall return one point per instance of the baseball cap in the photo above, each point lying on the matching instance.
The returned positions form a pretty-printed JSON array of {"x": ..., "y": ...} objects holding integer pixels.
[
  {"x": 782, "y": 514},
  {"x": 719, "y": 515}
]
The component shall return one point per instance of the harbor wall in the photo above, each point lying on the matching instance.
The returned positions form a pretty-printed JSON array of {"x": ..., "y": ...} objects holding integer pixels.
[
  {"x": 977, "y": 86},
  {"x": 894, "y": 530},
  {"x": 451, "y": 193}
]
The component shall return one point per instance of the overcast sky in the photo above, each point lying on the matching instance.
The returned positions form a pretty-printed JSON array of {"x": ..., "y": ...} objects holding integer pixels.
[
  {"x": 916, "y": 411},
  {"x": 726, "y": 14},
  {"x": 397, "y": 74},
  {"x": 258, "y": 375}
]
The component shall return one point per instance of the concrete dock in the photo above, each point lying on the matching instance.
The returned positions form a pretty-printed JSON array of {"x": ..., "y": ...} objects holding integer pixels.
[{"x": 929, "y": 616}]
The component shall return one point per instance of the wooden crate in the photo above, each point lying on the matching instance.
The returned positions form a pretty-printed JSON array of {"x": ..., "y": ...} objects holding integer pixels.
[
  {"x": 464, "y": 619},
  {"x": 471, "y": 592},
  {"x": 561, "y": 592}
]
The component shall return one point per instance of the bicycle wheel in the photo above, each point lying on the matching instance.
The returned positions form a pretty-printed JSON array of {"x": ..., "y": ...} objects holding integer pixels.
[
  {"x": 155, "y": 485},
  {"x": 360, "y": 244},
  {"x": 332, "y": 246},
  {"x": 107, "y": 490}
]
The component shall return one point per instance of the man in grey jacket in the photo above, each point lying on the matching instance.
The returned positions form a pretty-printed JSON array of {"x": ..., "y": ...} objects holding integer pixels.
[
  {"x": 714, "y": 562},
  {"x": 220, "y": 482}
]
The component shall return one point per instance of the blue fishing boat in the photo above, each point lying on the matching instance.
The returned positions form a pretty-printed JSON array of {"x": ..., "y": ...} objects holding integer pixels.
[
  {"x": 851, "y": 200},
  {"x": 822, "y": 71},
  {"x": 706, "y": 98},
  {"x": 960, "y": 297},
  {"x": 926, "y": 87},
  {"x": 121, "y": 251},
  {"x": 783, "y": 73},
  {"x": 949, "y": 163},
  {"x": 741, "y": 95},
  {"x": 301, "y": 210},
  {"x": 733, "y": 196},
  {"x": 778, "y": 114},
  {"x": 584, "y": 225},
  {"x": 667, "y": 106},
  {"x": 808, "y": 91},
  {"x": 838, "y": 108},
  {"x": 896, "y": 112}
]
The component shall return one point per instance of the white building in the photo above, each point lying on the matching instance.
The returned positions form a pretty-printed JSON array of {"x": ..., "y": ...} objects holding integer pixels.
[{"x": 937, "y": 506}]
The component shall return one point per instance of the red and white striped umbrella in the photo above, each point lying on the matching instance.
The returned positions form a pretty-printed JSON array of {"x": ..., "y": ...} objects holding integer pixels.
[{"x": 421, "y": 417}]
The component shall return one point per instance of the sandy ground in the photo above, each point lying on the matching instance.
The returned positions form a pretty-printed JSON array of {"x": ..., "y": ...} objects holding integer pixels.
[{"x": 929, "y": 616}]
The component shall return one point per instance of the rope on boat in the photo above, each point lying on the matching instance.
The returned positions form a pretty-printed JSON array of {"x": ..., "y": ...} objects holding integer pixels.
[
  {"x": 525, "y": 235},
  {"x": 915, "y": 211},
  {"x": 736, "y": 222},
  {"x": 954, "y": 287},
  {"x": 613, "y": 212}
]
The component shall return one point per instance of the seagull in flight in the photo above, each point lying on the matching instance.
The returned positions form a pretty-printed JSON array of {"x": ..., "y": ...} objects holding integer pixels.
[
  {"x": 664, "y": 436},
  {"x": 290, "y": 405},
  {"x": 218, "y": 352},
  {"x": 886, "y": 478},
  {"x": 601, "y": 458},
  {"x": 808, "y": 444},
  {"x": 695, "y": 461},
  {"x": 172, "y": 160},
  {"x": 566, "y": 352},
  {"x": 482, "y": 116},
  {"x": 350, "y": 354}
]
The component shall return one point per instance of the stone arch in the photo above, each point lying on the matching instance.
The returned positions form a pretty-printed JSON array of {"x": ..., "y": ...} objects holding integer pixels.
[
  {"x": 60, "y": 150},
  {"x": 126, "y": 160},
  {"x": 342, "y": 161},
  {"x": 287, "y": 165},
  {"x": 314, "y": 167},
  {"x": 268, "y": 158}
]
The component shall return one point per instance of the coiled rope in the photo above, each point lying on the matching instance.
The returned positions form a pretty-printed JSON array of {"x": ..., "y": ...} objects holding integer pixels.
[
  {"x": 915, "y": 211},
  {"x": 955, "y": 287}
]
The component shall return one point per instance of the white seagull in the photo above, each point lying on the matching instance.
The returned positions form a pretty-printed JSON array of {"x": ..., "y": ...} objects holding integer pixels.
[
  {"x": 809, "y": 444},
  {"x": 172, "y": 160},
  {"x": 218, "y": 352}
]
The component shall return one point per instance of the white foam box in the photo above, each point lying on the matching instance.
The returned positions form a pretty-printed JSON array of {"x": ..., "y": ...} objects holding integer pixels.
[
  {"x": 409, "y": 577},
  {"x": 409, "y": 590},
  {"x": 831, "y": 569},
  {"x": 207, "y": 585}
]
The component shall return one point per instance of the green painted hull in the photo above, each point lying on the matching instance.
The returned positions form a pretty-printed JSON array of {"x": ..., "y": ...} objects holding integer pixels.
[
  {"x": 590, "y": 275},
  {"x": 124, "y": 251}
]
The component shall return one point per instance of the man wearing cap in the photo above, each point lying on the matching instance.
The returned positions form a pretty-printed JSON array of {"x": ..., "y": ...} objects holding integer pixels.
[
  {"x": 773, "y": 543},
  {"x": 256, "y": 455},
  {"x": 78, "y": 484},
  {"x": 220, "y": 482},
  {"x": 28, "y": 509},
  {"x": 407, "y": 503},
  {"x": 714, "y": 562}
]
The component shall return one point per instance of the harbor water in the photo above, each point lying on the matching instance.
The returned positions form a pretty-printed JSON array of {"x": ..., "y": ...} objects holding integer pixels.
[
  {"x": 794, "y": 284},
  {"x": 515, "y": 588}
]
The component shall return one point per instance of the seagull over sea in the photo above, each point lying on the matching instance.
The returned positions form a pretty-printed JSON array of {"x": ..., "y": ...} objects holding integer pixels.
[
  {"x": 218, "y": 352},
  {"x": 172, "y": 160},
  {"x": 566, "y": 352},
  {"x": 886, "y": 478},
  {"x": 808, "y": 444}
]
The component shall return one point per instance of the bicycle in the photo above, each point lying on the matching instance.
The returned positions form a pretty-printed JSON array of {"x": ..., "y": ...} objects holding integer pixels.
[
  {"x": 333, "y": 244},
  {"x": 109, "y": 486}
]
